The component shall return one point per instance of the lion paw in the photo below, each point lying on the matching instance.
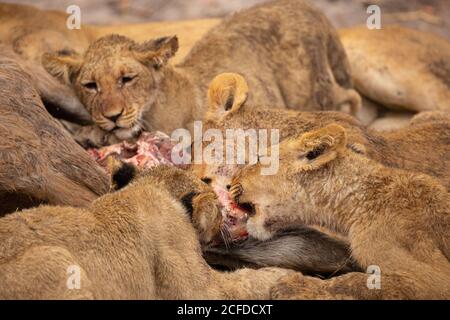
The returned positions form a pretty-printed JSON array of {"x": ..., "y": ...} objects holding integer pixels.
[
  {"x": 299, "y": 287},
  {"x": 236, "y": 191},
  {"x": 206, "y": 217},
  {"x": 288, "y": 287}
]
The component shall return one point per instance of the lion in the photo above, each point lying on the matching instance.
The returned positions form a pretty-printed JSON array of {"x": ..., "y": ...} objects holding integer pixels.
[
  {"x": 189, "y": 32},
  {"x": 301, "y": 249},
  {"x": 136, "y": 243},
  {"x": 39, "y": 161},
  {"x": 398, "y": 71},
  {"x": 430, "y": 116},
  {"x": 421, "y": 147},
  {"x": 401, "y": 68},
  {"x": 396, "y": 220},
  {"x": 30, "y": 32},
  {"x": 128, "y": 86}
]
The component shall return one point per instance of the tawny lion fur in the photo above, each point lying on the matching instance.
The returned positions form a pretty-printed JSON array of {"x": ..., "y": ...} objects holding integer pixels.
[
  {"x": 396, "y": 220},
  {"x": 418, "y": 147},
  {"x": 423, "y": 146},
  {"x": 30, "y": 32},
  {"x": 386, "y": 78},
  {"x": 287, "y": 49},
  {"x": 136, "y": 243},
  {"x": 400, "y": 68}
]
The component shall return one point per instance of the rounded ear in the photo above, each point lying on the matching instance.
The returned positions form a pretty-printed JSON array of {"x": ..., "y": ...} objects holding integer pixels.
[
  {"x": 157, "y": 52},
  {"x": 227, "y": 93},
  {"x": 63, "y": 65},
  {"x": 316, "y": 148}
]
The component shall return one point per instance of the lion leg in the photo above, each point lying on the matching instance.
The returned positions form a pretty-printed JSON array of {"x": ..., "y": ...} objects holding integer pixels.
[
  {"x": 343, "y": 97},
  {"x": 44, "y": 272},
  {"x": 346, "y": 99},
  {"x": 429, "y": 116},
  {"x": 349, "y": 286},
  {"x": 249, "y": 284}
]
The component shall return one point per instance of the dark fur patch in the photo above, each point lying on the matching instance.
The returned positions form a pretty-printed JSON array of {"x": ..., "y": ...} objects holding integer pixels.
[
  {"x": 124, "y": 175},
  {"x": 186, "y": 200}
]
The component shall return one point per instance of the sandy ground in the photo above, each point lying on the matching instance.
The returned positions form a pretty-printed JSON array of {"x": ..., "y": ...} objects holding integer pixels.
[{"x": 432, "y": 15}]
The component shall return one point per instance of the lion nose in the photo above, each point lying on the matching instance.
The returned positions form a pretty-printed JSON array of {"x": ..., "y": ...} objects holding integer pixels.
[{"x": 114, "y": 117}]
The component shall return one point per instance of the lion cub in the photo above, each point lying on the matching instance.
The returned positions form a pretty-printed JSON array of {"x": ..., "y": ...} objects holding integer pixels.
[
  {"x": 423, "y": 147},
  {"x": 287, "y": 49},
  {"x": 396, "y": 220},
  {"x": 136, "y": 243}
]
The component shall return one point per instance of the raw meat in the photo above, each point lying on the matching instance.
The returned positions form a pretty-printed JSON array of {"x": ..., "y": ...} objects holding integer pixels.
[
  {"x": 152, "y": 149},
  {"x": 235, "y": 218}
]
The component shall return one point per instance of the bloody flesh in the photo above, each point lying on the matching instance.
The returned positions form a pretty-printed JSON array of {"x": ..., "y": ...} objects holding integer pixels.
[{"x": 152, "y": 149}]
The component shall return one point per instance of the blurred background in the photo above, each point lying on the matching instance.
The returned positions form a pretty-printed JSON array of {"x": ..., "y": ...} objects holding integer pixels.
[{"x": 431, "y": 15}]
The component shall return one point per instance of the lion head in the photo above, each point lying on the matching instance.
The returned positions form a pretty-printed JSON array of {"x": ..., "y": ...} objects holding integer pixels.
[
  {"x": 116, "y": 78},
  {"x": 293, "y": 195}
]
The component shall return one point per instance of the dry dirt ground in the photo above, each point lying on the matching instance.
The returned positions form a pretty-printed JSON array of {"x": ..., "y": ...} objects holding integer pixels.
[{"x": 432, "y": 15}]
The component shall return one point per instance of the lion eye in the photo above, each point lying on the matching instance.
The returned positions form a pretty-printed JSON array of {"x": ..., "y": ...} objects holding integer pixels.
[
  {"x": 206, "y": 180},
  {"x": 127, "y": 79},
  {"x": 90, "y": 85}
]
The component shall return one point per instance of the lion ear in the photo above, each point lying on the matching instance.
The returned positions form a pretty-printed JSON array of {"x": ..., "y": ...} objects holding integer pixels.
[
  {"x": 157, "y": 52},
  {"x": 63, "y": 65},
  {"x": 316, "y": 148},
  {"x": 227, "y": 93}
]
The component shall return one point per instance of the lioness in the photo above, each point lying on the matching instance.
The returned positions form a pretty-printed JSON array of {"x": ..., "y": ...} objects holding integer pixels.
[
  {"x": 397, "y": 68},
  {"x": 287, "y": 49},
  {"x": 136, "y": 243},
  {"x": 401, "y": 68},
  {"x": 396, "y": 220}
]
